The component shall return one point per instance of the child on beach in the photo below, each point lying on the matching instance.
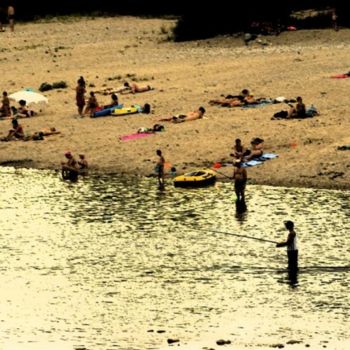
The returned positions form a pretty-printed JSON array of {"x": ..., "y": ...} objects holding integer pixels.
[
  {"x": 83, "y": 165},
  {"x": 92, "y": 104}
]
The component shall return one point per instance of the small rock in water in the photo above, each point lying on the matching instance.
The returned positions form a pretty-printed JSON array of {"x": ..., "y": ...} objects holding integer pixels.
[
  {"x": 223, "y": 342},
  {"x": 150, "y": 331},
  {"x": 291, "y": 342},
  {"x": 160, "y": 331},
  {"x": 172, "y": 341},
  {"x": 278, "y": 346}
]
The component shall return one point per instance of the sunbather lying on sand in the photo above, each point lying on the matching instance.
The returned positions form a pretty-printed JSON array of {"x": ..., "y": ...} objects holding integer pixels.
[
  {"x": 198, "y": 114},
  {"x": 233, "y": 101},
  {"x": 39, "y": 135},
  {"x": 133, "y": 88}
]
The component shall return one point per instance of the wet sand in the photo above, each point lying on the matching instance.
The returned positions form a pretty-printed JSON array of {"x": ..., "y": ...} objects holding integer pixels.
[{"x": 108, "y": 51}]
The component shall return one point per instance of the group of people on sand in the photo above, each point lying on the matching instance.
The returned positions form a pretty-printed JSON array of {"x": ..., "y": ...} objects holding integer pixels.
[
  {"x": 7, "y": 111},
  {"x": 17, "y": 133},
  {"x": 244, "y": 98},
  {"x": 90, "y": 106}
]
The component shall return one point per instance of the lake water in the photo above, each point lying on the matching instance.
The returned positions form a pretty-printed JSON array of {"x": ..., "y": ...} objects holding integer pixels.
[{"x": 115, "y": 263}]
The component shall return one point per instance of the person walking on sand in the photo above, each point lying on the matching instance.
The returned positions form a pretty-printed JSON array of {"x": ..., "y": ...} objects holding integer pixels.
[
  {"x": 292, "y": 248},
  {"x": 11, "y": 16},
  {"x": 160, "y": 168},
  {"x": 80, "y": 95},
  {"x": 335, "y": 20}
]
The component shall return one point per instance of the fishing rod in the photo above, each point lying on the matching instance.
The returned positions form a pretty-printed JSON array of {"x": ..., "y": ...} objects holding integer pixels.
[
  {"x": 229, "y": 177},
  {"x": 244, "y": 236}
]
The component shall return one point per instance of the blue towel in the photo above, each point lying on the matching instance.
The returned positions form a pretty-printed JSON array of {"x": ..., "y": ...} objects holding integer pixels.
[
  {"x": 251, "y": 163},
  {"x": 267, "y": 156}
]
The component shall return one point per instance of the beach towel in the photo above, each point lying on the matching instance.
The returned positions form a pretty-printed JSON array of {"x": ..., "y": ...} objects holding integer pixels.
[
  {"x": 253, "y": 162},
  {"x": 262, "y": 103},
  {"x": 135, "y": 136},
  {"x": 341, "y": 76}
]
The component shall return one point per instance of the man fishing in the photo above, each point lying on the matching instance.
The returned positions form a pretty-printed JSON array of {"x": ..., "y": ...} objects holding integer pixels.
[{"x": 292, "y": 248}]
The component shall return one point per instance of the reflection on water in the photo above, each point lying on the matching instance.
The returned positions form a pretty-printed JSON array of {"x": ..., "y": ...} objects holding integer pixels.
[{"x": 111, "y": 263}]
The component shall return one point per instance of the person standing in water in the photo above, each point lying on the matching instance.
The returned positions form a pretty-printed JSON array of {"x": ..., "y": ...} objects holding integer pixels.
[
  {"x": 292, "y": 247},
  {"x": 160, "y": 168},
  {"x": 240, "y": 179}
]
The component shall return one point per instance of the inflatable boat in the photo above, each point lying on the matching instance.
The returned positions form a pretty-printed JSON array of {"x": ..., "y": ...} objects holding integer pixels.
[
  {"x": 127, "y": 110},
  {"x": 197, "y": 178},
  {"x": 107, "y": 111}
]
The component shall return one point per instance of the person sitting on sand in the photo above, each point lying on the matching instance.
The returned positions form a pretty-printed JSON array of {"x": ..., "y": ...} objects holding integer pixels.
[
  {"x": 22, "y": 111},
  {"x": 256, "y": 150},
  {"x": 16, "y": 133},
  {"x": 198, "y": 114},
  {"x": 92, "y": 104},
  {"x": 5, "y": 109},
  {"x": 299, "y": 111},
  {"x": 238, "y": 150},
  {"x": 133, "y": 88},
  {"x": 114, "y": 102},
  {"x": 83, "y": 165}
]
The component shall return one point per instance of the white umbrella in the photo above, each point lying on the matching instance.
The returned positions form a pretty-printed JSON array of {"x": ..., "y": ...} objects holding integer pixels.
[{"x": 34, "y": 100}]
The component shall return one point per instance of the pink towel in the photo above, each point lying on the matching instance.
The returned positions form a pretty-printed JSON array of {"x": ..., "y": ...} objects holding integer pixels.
[
  {"x": 340, "y": 76},
  {"x": 135, "y": 136}
]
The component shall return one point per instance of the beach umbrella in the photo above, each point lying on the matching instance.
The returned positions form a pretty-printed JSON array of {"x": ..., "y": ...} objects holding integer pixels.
[{"x": 34, "y": 100}]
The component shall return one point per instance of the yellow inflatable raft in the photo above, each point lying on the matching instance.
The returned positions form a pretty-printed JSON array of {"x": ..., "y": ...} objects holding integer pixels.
[{"x": 197, "y": 178}]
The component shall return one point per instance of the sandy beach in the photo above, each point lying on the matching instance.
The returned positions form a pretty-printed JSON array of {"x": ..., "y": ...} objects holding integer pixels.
[{"x": 109, "y": 51}]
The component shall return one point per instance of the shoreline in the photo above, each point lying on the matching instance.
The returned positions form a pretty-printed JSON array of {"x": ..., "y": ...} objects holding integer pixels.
[
  {"x": 108, "y": 51},
  {"x": 19, "y": 164}
]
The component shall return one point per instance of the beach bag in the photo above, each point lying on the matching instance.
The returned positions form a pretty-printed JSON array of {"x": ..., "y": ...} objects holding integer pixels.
[
  {"x": 311, "y": 111},
  {"x": 158, "y": 127},
  {"x": 281, "y": 114},
  {"x": 146, "y": 108}
]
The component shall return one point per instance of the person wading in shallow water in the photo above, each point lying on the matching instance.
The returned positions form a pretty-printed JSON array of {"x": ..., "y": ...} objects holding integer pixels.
[
  {"x": 292, "y": 248},
  {"x": 160, "y": 168}
]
